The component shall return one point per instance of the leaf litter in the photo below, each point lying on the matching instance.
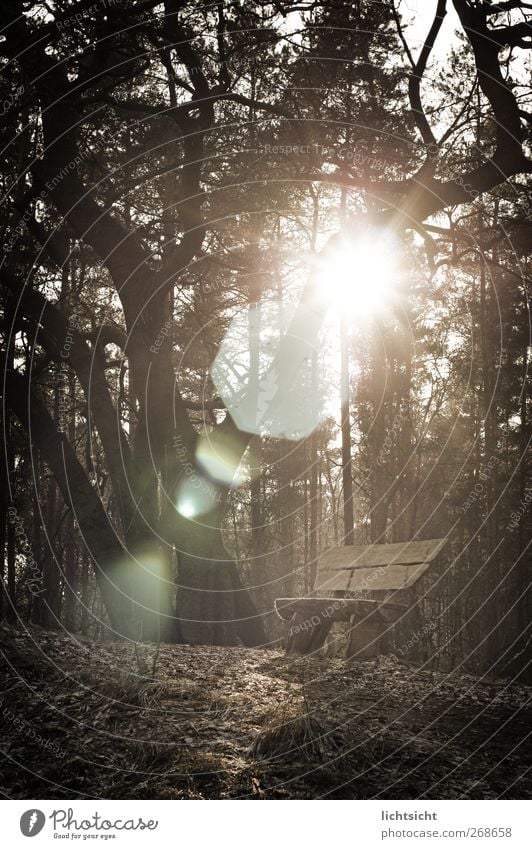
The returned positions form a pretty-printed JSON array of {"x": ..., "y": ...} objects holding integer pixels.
[{"x": 80, "y": 720}]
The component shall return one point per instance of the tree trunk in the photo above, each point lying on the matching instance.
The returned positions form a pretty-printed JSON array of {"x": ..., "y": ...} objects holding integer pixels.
[
  {"x": 213, "y": 606},
  {"x": 379, "y": 505},
  {"x": 111, "y": 562},
  {"x": 347, "y": 466}
]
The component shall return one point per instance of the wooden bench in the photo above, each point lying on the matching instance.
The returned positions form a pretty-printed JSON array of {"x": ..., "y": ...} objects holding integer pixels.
[{"x": 366, "y": 585}]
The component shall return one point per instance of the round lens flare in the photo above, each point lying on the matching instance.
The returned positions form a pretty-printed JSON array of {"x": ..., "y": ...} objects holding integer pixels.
[
  {"x": 221, "y": 459},
  {"x": 357, "y": 276},
  {"x": 196, "y": 496}
]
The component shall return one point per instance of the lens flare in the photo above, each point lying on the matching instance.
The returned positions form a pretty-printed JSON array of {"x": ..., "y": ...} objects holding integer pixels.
[
  {"x": 269, "y": 373},
  {"x": 220, "y": 457},
  {"x": 196, "y": 496},
  {"x": 358, "y": 275}
]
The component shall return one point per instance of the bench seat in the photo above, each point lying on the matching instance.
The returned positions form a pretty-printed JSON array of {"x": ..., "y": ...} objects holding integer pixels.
[
  {"x": 337, "y": 609},
  {"x": 311, "y": 620},
  {"x": 386, "y": 571}
]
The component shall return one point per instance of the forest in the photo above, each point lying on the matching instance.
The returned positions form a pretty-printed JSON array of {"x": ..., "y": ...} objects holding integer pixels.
[{"x": 265, "y": 294}]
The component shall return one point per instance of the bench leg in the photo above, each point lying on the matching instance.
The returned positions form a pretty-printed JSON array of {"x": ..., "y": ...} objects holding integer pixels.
[
  {"x": 306, "y": 635},
  {"x": 364, "y": 637}
]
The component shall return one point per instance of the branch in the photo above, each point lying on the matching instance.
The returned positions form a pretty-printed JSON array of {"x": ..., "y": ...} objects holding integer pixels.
[
  {"x": 510, "y": 5},
  {"x": 55, "y": 333},
  {"x": 225, "y": 79},
  {"x": 101, "y": 540},
  {"x": 514, "y": 36},
  {"x": 402, "y": 35},
  {"x": 273, "y": 108},
  {"x": 414, "y": 83},
  {"x": 509, "y": 132},
  {"x": 429, "y": 195},
  {"x": 109, "y": 334},
  {"x": 199, "y": 406},
  {"x": 55, "y": 244},
  {"x": 377, "y": 189},
  {"x": 56, "y": 176}
]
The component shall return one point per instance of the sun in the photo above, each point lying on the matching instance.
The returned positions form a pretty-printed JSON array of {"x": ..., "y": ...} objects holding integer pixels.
[{"x": 357, "y": 276}]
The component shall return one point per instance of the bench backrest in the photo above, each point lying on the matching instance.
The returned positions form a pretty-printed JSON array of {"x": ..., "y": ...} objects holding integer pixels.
[{"x": 380, "y": 566}]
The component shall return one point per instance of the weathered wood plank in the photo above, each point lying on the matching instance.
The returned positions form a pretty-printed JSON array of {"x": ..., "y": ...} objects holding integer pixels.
[
  {"x": 369, "y": 556},
  {"x": 359, "y": 571},
  {"x": 399, "y": 576},
  {"x": 365, "y": 637},
  {"x": 334, "y": 609},
  {"x": 304, "y": 636}
]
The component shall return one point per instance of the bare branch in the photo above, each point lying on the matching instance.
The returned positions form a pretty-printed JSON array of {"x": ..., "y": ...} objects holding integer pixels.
[
  {"x": 414, "y": 83},
  {"x": 402, "y": 35},
  {"x": 53, "y": 331},
  {"x": 516, "y": 35}
]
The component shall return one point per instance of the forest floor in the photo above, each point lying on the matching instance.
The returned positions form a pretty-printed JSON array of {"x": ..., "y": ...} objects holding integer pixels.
[{"x": 79, "y": 720}]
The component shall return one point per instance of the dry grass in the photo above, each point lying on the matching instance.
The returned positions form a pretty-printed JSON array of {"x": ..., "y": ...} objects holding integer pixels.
[
  {"x": 294, "y": 736},
  {"x": 127, "y": 690}
]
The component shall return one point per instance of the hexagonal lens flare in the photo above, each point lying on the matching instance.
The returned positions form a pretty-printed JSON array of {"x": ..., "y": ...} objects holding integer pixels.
[{"x": 269, "y": 372}]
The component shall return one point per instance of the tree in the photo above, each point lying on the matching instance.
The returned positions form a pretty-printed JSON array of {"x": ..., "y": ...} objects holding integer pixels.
[{"x": 127, "y": 126}]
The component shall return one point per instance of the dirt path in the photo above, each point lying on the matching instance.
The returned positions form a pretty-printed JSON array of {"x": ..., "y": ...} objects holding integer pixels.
[{"x": 78, "y": 720}]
